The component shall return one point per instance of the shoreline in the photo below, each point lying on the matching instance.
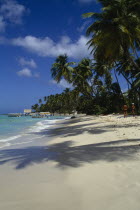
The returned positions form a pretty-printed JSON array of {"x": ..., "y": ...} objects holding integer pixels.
[
  {"x": 27, "y": 132},
  {"x": 76, "y": 165}
]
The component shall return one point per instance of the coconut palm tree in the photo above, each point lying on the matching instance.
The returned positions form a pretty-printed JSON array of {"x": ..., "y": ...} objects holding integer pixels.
[
  {"x": 45, "y": 98},
  {"x": 35, "y": 107},
  {"x": 115, "y": 40},
  {"x": 82, "y": 76},
  {"x": 115, "y": 31},
  {"x": 62, "y": 69},
  {"x": 40, "y": 101}
]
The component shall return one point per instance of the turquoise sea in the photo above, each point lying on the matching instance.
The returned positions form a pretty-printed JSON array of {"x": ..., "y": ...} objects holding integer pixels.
[{"x": 12, "y": 129}]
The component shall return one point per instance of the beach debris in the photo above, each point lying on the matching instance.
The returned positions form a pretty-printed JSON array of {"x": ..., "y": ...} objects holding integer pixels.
[{"x": 73, "y": 117}]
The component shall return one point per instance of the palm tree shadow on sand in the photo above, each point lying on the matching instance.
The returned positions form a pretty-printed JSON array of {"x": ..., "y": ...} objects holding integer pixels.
[{"x": 67, "y": 155}]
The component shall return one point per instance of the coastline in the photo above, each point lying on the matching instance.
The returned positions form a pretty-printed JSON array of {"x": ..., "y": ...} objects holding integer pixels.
[
  {"x": 84, "y": 163},
  {"x": 24, "y": 133}
]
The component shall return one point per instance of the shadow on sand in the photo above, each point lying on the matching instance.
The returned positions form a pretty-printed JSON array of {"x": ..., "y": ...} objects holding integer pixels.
[
  {"x": 67, "y": 155},
  {"x": 73, "y": 130}
]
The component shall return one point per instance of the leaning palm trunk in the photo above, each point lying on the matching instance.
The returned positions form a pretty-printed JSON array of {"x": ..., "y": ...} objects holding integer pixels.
[{"x": 118, "y": 84}]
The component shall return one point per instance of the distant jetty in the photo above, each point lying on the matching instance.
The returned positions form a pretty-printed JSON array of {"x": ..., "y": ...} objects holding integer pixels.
[{"x": 14, "y": 115}]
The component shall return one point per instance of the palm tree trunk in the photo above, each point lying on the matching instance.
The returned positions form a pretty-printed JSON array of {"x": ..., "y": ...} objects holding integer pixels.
[
  {"x": 134, "y": 64},
  {"x": 118, "y": 83},
  {"x": 126, "y": 79}
]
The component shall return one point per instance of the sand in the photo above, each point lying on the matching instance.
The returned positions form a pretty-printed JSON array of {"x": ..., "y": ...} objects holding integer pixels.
[{"x": 89, "y": 163}]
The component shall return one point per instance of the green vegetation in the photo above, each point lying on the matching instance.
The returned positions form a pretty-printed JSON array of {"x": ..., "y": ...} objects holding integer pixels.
[{"x": 115, "y": 44}]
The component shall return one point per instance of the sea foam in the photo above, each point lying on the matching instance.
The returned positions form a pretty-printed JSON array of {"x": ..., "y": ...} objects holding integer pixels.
[{"x": 28, "y": 133}]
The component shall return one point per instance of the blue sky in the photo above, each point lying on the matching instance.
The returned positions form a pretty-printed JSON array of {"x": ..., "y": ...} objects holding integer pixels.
[{"x": 32, "y": 34}]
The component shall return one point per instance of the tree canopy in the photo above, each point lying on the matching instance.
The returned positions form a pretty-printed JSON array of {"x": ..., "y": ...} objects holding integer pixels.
[{"x": 115, "y": 48}]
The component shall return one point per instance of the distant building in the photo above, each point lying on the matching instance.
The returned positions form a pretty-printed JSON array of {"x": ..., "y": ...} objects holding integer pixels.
[
  {"x": 27, "y": 111},
  {"x": 44, "y": 113}
]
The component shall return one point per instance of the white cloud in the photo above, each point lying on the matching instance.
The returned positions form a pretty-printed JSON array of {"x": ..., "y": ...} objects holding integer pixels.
[
  {"x": 46, "y": 47},
  {"x": 63, "y": 84},
  {"x": 2, "y": 24},
  {"x": 25, "y": 72},
  {"x": 24, "y": 62},
  {"x": 12, "y": 11}
]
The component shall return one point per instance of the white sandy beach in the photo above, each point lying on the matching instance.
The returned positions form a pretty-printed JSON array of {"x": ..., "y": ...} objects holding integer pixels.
[{"x": 90, "y": 163}]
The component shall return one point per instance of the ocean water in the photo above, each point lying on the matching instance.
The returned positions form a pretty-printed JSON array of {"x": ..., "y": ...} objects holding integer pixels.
[{"x": 14, "y": 130}]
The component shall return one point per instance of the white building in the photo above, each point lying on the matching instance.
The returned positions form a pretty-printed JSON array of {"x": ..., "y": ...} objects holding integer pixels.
[{"x": 27, "y": 111}]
